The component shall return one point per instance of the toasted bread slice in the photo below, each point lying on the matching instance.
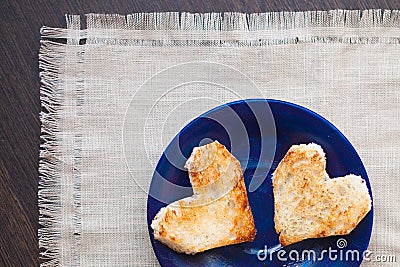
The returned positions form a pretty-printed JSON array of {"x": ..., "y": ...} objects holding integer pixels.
[
  {"x": 218, "y": 214},
  {"x": 308, "y": 204}
]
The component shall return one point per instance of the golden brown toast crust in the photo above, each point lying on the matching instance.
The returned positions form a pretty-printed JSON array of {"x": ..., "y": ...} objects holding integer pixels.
[
  {"x": 308, "y": 204},
  {"x": 217, "y": 215}
]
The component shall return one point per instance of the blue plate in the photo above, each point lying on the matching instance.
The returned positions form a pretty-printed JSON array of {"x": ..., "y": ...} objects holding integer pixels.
[{"x": 294, "y": 125}]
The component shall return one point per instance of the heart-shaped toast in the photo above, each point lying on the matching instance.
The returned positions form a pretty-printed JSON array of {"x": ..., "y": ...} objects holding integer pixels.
[
  {"x": 218, "y": 214},
  {"x": 309, "y": 204}
]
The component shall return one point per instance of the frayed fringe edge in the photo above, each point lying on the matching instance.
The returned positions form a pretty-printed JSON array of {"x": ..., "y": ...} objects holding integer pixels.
[
  {"x": 52, "y": 167},
  {"x": 50, "y": 57},
  {"x": 233, "y": 29}
]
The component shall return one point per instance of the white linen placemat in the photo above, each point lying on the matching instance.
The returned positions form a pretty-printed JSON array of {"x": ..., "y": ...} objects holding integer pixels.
[{"x": 158, "y": 71}]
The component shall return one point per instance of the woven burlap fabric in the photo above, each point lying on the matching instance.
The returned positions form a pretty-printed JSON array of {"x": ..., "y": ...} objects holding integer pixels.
[{"x": 112, "y": 103}]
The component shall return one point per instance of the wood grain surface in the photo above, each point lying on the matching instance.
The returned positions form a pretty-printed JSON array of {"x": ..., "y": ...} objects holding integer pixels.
[{"x": 20, "y": 21}]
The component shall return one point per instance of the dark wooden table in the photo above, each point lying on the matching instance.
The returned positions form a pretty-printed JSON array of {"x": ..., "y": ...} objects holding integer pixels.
[{"x": 20, "y": 21}]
